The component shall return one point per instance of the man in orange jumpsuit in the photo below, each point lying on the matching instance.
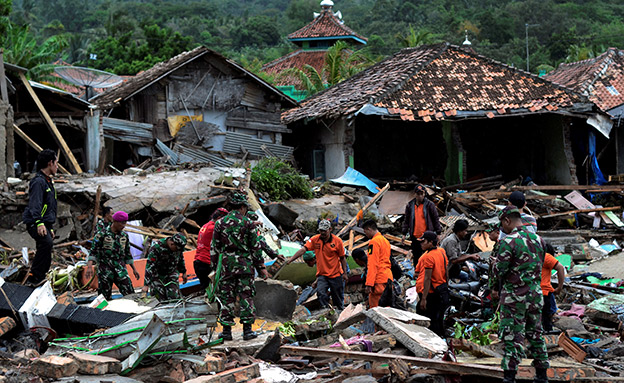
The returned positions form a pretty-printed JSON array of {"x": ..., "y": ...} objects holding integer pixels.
[{"x": 379, "y": 271}]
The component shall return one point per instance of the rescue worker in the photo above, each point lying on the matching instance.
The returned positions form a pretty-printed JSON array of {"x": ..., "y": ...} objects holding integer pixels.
[
  {"x": 165, "y": 264},
  {"x": 518, "y": 267},
  {"x": 263, "y": 244},
  {"x": 331, "y": 265},
  {"x": 550, "y": 305},
  {"x": 110, "y": 250},
  {"x": 105, "y": 221},
  {"x": 431, "y": 283},
  {"x": 454, "y": 253},
  {"x": 518, "y": 200},
  {"x": 378, "y": 267},
  {"x": 40, "y": 214},
  {"x": 236, "y": 241},
  {"x": 202, "y": 262},
  {"x": 420, "y": 215}
]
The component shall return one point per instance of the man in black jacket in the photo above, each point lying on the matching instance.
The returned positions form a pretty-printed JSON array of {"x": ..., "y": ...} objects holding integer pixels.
[
  {"x": 421, "y": 215},
  {"x": 40, "y": 214}
]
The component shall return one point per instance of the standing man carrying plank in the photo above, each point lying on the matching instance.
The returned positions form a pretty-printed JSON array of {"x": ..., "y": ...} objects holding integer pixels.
[
  {"x": 40, "y": 214},
  {"x": 378, "y": 266},
  {"x": 518, "y": 268}
]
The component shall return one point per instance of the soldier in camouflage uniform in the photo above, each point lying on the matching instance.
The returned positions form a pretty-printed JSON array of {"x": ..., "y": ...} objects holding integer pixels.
[
  {"x": 518, "y": 266},
  {"x": 263, "y": 245},
  {"x": 165, "y": 263},
  {"x": 106, "y": 220},
  {"x": 235, "y": 240},
  {"x": 111, "y": 251}
]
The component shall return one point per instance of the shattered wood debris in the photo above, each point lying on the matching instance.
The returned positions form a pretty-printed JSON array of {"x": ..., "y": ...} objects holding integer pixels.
[{"x": 300, "y": 340}]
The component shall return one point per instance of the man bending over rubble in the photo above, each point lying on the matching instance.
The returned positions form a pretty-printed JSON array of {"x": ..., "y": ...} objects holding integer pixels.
[
  {"x": 164, "y": 265},
  {"x": 40, "y": 214},
  {"x": 236, "y": 241},
  {"x": 331, "y": 265},
  {"x": 518, "y": 268},
  {"x": 111, "y": 251}
]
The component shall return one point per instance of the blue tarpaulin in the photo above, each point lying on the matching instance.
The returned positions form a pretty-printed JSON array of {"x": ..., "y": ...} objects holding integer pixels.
[
  {"x": 353, "y": 177},
  {"x": 596, "y": 174}
]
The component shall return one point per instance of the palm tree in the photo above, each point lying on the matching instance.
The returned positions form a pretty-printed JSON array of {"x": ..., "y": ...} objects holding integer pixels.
[
  {"x": 414, "y": 39},
  {"x": 340, "y": 64},
  {"x": 21, "y": 48}
]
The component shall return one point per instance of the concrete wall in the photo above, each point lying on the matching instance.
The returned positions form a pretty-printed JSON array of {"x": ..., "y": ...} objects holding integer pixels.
[
  {"x": 333, "y": 140},
  {"x": 94, "y": 140}
]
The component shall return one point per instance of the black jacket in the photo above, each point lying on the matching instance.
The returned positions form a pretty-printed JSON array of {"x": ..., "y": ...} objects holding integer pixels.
[
  {"x": 41, "y": 202},
  {"x": 431, "y": 217}
]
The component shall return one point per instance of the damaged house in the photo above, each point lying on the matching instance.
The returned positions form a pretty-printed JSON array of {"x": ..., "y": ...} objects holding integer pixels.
[
  {"x": 198, "y": 106},
  {"x": 444, "y": 112},
  {"x": 601, "y": 79}
]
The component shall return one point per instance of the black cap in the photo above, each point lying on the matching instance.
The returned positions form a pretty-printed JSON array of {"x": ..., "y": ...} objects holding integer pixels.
[
  {"x": 517, "y": 199},
  {"x": 420, "y": 188},
  {"x": 429, "y": 236}
]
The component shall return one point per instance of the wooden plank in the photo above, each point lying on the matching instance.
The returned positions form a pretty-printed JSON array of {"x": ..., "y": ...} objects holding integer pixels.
[
  {"x": 364, "y": 209},
  {"x": 582, "y": 211},
  {"x": 391, "y": 237},
  {"x": 351, "y": 237},
  {"x": 449, "y": 367},
  {"x": 68, "y": 154},
  {"x": 34, "y": 145},
  {"x": 96, "y": 209},
  {"x": 596, "y": 188},
  {"x": 4, "y": 93}
]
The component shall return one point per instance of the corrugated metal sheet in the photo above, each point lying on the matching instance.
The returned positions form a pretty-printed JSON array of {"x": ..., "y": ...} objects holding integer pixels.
[
  {"x": 234, "y": 141},
  {"x": 128, "y": 131},
  {"x": 183, "y": 154}
]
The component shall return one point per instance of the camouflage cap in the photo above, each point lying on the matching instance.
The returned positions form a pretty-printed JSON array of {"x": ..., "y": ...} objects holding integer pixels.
[
  {"x": 324, "y": 224},
  {"x": 508, "y": 210},
  {"x": 238, "y": 199},
  {"x": 179, "y": 240},
  {"x": 492, "y": 227},
  {"x": 252, "y": 215},
  {"x": 308, "y": 256}
]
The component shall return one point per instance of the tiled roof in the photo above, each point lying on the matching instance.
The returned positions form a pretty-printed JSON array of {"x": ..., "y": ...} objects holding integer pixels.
[
  {"x": 296, "y": 59},
  {"x": 325, "y": 25},
  {"x": 434, "y": 82},
  {"x": 600, "y": 78},
  {"x": 146, "y": 78}
]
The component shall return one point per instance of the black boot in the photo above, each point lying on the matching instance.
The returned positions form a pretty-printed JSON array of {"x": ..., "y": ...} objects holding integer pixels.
[
  {"x": 227, "y": 333},
  {"x": 510, "y": 376},
  {"x": 540, "y": 375},
  {"x": 248, "y": 333}
]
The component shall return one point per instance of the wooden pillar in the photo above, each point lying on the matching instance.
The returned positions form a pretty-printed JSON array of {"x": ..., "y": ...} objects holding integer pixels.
[{"x": 93, "y": 139}]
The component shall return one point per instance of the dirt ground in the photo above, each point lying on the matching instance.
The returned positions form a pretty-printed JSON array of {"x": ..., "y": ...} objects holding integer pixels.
[{"x": 612, "y": 266}]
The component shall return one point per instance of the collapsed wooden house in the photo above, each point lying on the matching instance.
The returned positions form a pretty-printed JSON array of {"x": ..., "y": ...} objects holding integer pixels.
[{"x": 198, "y": 106}]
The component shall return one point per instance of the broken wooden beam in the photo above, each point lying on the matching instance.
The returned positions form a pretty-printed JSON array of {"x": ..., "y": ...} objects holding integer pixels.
[
  {"x": 581, "y": 211},
  {"x": 370, "y": 203},
  {"x": 57, "y": 134},
  {"x": 449, "y": 367},
  {"x": 34, "y": 145}
]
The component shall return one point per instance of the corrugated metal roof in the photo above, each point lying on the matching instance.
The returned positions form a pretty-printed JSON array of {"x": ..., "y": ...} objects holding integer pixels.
[
  {"x": 182, "y": 154},
  {"x": 234, "y": 141},
  {"x": 128, "y": 131}
]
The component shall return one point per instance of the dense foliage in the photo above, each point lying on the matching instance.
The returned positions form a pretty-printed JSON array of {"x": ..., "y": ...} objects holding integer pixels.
[
  {"x": 130, "y": 35},
  {"x": 279, "y": 180}
]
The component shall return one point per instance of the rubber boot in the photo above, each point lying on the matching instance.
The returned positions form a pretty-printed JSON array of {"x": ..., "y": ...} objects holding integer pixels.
[
  {"x": 510, "y": 376},
  {"x": 248, "y": 333},
  {"x": 540, "y": 375},
  {"x": 227, "y": 333}
]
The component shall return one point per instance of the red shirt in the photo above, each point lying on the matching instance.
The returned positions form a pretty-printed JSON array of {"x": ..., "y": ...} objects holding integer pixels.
[
  {"x": 328, "y": 255},
  {"x": 420, "y": 223},
  {"x": 204, "y": 239},
  {"x": 378, "y": 268}
]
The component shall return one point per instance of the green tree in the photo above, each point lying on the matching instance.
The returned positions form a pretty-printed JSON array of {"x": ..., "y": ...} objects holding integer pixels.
[
  {"x": 340, "y": 64},
  {"x": 5, "y": 10},
  {"x": 415, "y": 39},
  {"x": 22, "y": 48}
]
